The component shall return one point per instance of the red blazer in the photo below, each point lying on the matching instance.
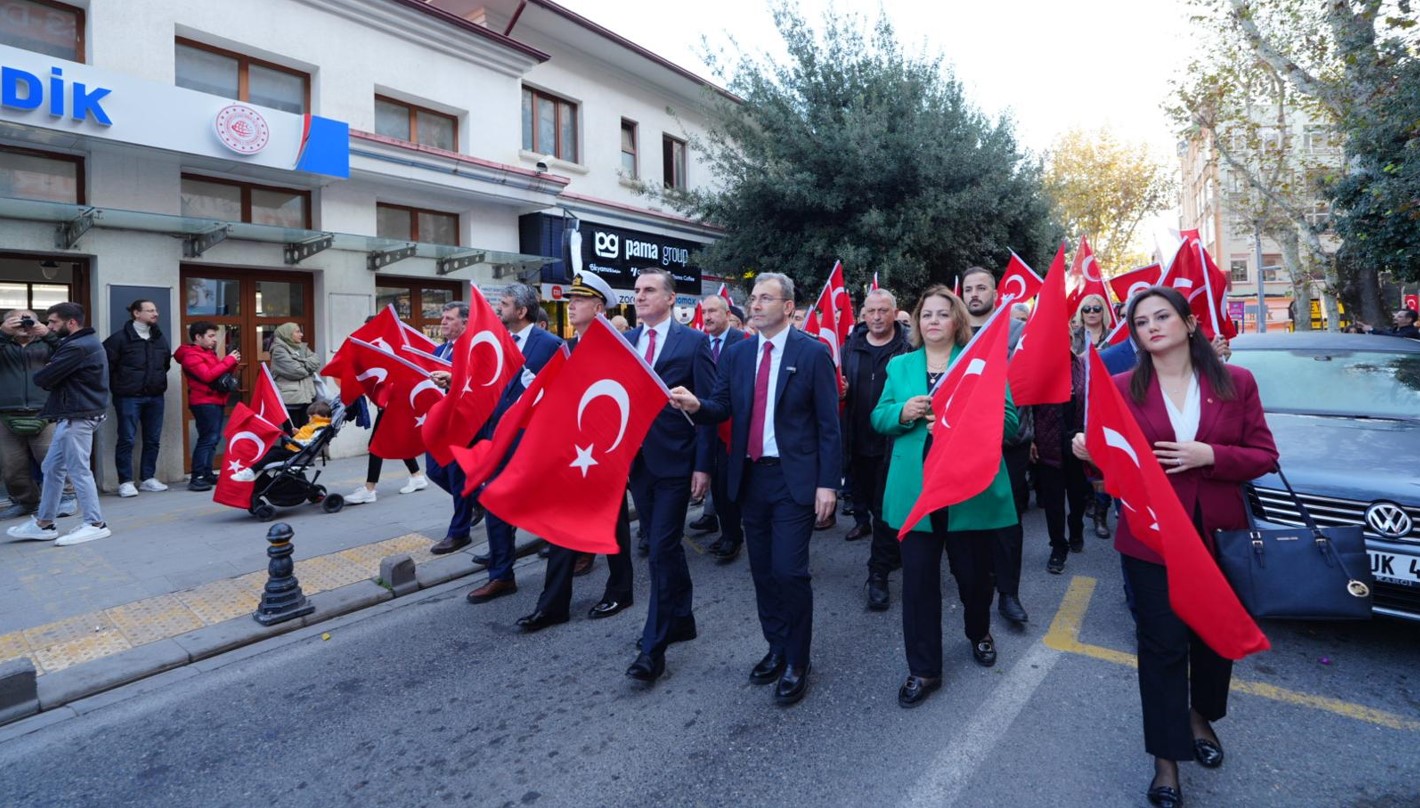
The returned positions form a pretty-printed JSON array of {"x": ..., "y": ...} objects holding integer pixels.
[{"x": 1243, "y": 449}]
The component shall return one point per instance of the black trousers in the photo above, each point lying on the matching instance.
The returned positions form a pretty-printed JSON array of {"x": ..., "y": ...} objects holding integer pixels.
[
  {"x": 377, "y": 463},
  {"x": 661, "y": 503},
  {"x": 1055, "y": 487},
  {"x": 556, "y": 598},
  {"x": 1176, "y": 669},
  {"x": 1010, "y": 541},
  {"x": 869, "y": 477},
  {"x": 727, "y": 511},
  {"x": 777, "y": 533},
  {"x": 970, "y": 554}
]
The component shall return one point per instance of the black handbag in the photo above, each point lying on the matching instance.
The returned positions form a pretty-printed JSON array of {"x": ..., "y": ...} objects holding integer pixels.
[
  {"x": 227, "y": 383},
  {"x": 1299, "y": 573}
]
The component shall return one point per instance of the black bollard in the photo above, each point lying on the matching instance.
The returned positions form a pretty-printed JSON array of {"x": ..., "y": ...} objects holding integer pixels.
[{"x": 282, "y": 598}]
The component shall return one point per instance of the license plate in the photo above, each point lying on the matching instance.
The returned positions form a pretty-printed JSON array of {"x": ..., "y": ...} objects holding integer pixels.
[{"x": 1395, "y": 568}]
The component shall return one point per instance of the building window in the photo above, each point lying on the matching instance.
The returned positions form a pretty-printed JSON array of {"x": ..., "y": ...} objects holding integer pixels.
[
  {"x": 43, "y": 26},
  {"x": 1237, "y": 270},
  {"x": 673, "y": 162},
  {"x": 549, "y": 125},
  {"x": 417, "y": 302},
  {"x": 1271, "y": 267},
  {"x": 1319, "y": 139},
  {"x": 228, "y": 201},
  {"x": 1320, "y": 213},
  {"x": 26, "y": 174},
  {"x": 415, "y": 224},
  {"x": 628, "y": 149},
  {"x": 426, "y": 127},
  {"x": 232, "y": 75}
]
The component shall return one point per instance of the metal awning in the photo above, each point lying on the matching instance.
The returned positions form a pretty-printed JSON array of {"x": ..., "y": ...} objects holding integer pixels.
[{"x": 200, "y": 235}]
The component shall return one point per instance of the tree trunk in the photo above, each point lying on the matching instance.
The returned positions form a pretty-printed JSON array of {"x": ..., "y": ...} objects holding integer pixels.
[
  {"x": 1369, "y": 286},
  {"x": 1298, "y": 273}
]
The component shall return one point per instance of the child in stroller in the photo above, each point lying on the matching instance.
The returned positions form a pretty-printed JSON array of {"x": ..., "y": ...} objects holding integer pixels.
[{"x": 280, "y": 475}]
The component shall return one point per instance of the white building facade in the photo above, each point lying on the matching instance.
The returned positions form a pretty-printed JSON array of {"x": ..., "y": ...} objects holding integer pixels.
[{"x": 310, "y": 161}]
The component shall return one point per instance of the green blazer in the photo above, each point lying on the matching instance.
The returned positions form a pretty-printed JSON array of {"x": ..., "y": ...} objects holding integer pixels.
[{"x": 993, "y": 508}]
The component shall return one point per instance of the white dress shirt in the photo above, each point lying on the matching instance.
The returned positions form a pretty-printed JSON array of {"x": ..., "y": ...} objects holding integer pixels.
[
  {"x": 776, "y": 358},
  {"x": 1185, "y": 421},
  {"x": 521, "y": 338},
  {"x": 662, "y": 330}
]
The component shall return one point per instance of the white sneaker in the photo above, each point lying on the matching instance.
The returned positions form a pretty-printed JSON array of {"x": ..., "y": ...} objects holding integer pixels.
[
  {"x": 68, "y": 506},
  {"x": 360, "y": 496},
  {"x": 127, "y": 490},
  {"x": 246, "y": 475},
  {"x": 83, "y": 533},
  {"x": 417, "y": 482},
  {"x": 31, "y": 531},
  {"x": 152, "y": 484}
]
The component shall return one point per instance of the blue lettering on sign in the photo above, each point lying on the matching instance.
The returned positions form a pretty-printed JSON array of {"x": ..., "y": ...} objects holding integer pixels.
[{"x": 23, "y": 90}]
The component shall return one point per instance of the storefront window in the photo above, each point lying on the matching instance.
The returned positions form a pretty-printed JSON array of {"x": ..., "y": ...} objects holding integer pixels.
[
  {"x": 213, "y": 297},
  {"x": 42, "y": 26},
  {"x": 44, "y": 295},
  {"x": 432, "y": 302},
  {"x": 14, "y": 296},
  {"x": 277, "y": 299},
  {"x": 37, "y": 175},
  {"x": 417, "y": 302},
  {"x": 397, "y": 296}
]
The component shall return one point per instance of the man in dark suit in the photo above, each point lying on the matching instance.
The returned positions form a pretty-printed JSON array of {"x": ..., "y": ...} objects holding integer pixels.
[
  {"x": 517, "y": 309},
  {"x": 587, "y": 300},
  {"x": 725, "y": 516},
  {"x": 781, "y": 393},
  {"x": 671, "y": 467}
]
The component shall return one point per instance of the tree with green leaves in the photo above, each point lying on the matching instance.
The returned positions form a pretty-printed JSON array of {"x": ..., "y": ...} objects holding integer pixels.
[{"x": 854, "y": 150}]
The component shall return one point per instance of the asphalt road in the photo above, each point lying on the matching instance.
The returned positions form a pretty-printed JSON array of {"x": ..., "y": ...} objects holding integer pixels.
[{"x": 431, "y": 701}]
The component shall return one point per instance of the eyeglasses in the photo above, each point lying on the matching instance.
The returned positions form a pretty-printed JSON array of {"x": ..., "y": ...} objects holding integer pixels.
[
  {"x": 1092, "y": 309},
  {"x": 753, "y": 299}
]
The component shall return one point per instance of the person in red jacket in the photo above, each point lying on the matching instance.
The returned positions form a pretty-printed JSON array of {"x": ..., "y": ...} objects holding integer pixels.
[{"x": 201, "y": 366}]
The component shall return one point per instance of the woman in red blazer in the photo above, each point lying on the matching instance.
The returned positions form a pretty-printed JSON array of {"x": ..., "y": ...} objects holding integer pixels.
[{"x": 1206, "y": 424}]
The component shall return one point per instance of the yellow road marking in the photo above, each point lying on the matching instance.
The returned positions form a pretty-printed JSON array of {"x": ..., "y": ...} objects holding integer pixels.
[{"x": 1064, "y": 635}]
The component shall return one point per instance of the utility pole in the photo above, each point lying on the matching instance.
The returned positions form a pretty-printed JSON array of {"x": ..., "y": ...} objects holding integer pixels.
[{"x": 1257, "y": 262}]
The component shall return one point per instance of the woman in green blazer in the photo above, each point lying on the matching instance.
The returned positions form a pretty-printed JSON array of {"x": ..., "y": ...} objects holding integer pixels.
[{"x": 966, "y": 531}]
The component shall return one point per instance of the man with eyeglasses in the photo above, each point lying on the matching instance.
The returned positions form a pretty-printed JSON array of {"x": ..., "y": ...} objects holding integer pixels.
[
  {"x": 978, "y": 292},
  {"x": 138, "y": 360}
]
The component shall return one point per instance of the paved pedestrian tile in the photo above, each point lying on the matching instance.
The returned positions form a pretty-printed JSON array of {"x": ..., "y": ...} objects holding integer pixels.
[
  {"x": 154, "y": 619},
  {"x": 223, "y": 600},
  {"x": 98, "y": 644}
]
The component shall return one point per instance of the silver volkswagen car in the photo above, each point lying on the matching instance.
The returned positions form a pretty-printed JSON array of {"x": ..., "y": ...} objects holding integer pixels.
[{"x": 1345, "y": 410}]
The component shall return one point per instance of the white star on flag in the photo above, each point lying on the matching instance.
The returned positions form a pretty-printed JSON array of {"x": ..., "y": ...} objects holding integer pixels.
[
  {"x": 235, "y": 467},
  {"x": 584, "y": 459}
]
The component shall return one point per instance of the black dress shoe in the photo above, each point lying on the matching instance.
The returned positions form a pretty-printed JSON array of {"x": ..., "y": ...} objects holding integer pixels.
[
  {"x": 828, "y": 524},
  {"x": 1077, "y": 545},
  {"x": 768, "y": 669},
  {"x": 646, "y": 668},
  {"x": 539, "y": 620},
  {"x": 478, "y": 514},
  {"x": 1209, "y": 754},
  {"x": 916, "y": 689},
  {"x": 726, "y": 552},
  {"x": 705, "y": 524},
  {"x": 448, "y": 544},
  {"x": 792, "y": 685},
  {"x": 199, "y": 484},
  {"x": 859, "y": 532},
  {"x": 1165, "y": 796},
  {"x": 1010, "y": 608},
  {"x": 584, "y": 564},
  {"x": 878, "y": 597},
  {"x": 984, "y": 650},
  {"x": 481, "y": 559},
  {"x": 1056, "y": 564},
  {"x": 607, "y": 607}
]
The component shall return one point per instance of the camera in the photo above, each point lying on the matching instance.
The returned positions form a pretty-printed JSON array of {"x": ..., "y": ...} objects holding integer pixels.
[{"x": 27, "y": 322}]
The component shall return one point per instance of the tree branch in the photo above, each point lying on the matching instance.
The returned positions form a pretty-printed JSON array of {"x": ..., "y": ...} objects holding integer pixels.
[{"x": 1305, "y": 82}]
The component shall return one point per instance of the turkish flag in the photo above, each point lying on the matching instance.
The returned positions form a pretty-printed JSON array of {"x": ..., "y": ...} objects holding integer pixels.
[
  {"x": 480, "y": 460},
  {"x": 424, "y": 359},
  {"x": 485, "y": 360},
  {"x": 1040, "y": 366},
  {"x": 384, "y": 331},
  {"x": 266, "y": 400},
  {"x": 844, "y": 318},
  {"x": 969, "y": 407},
  {"x": 875, "y": 282},
  {"x": 1198, "y": 593},
  {"x": 416, "y": 339},
  {"x": 249, "y": 437},
  {"x": 567, "y": 480},
  {"x": 1119, "y": 334},
  {"x": 724, "y": 292},
  {"x": 1134, "y": 281},
  {"x": 1019, "y": 282},
  {"x": 399, "y": 387},
  {"x": 1085, "y": 280},
  {"x": 697, "y": 320},
  {"x": 1193, "y": 273}
]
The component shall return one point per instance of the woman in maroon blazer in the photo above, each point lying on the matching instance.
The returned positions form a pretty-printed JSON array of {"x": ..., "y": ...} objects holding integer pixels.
[{"x": 1206, "y": 424}]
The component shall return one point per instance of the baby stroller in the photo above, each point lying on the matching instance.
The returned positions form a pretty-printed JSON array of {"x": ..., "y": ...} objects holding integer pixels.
[{"x": 283, "y": 483}]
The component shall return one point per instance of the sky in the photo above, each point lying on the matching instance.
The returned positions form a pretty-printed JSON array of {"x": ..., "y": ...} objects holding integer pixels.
[{"x": 1050, "y": 64}]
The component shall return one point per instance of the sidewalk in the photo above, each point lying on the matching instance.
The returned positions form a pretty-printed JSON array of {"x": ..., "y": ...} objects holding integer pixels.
[{"x": 178, "y": 563}]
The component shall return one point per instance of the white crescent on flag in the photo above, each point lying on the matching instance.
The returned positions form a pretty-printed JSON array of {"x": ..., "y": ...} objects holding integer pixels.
[
  {"x": 427, "y": 384},
  {"x": 974, "y": 369},
  {"x": 487, "y": 337},
  {"x": 614, "y": 391},
  {"x": 1085, "y": 268},
  {"x": 380, "y": 374},
  {"x": 246, "y": 436},
  {"x": 1136, "y": 288},
  {"x": 379, "y": 342},
  {"x": 1007, "y": 294},
  {"x": 1118, "y": 441}
]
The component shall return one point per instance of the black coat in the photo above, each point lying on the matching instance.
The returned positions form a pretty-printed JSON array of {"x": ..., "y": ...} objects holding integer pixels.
[
  {"x": 76, "y": 378},
  {"x": 137, "y": 366},
  {"x": 859, "y": 401}
]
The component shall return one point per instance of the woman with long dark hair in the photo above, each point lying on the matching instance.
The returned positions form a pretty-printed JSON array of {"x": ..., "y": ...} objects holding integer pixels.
[{"x": 1205, "y": 422}]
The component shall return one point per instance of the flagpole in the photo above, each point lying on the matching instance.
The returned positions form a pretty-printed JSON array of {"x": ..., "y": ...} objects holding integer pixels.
[
  {"x": 967, "y": 347},
  {"x": 1208, "y": 289},
  {"x": 611, "y": 329}
]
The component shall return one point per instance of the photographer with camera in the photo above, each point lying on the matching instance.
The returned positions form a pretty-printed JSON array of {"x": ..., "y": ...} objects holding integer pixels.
[
  {"x": 211, "y": 380},
  {"x": 25, "y": 346}
]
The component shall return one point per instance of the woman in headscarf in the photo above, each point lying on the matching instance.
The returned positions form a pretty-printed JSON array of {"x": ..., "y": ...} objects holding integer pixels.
[{"x": 294, "y": 367}]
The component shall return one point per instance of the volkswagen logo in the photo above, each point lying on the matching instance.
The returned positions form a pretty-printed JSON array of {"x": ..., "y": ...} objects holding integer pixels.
[{"x": 1389, "y": 520}]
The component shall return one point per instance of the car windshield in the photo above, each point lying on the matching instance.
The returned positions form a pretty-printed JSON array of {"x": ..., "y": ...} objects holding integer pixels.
[{"x": 1373, "y": 384}]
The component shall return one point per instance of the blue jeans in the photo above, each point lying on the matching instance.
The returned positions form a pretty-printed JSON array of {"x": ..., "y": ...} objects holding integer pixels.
[
  {"x": 134, "y": 411},
  {"x": 68, "y": 460},
  {"x": 208, "y": 420}
]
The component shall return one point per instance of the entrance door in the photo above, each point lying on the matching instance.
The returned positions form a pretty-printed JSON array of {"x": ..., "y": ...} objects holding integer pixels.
[{"x": 246, "y": 306}]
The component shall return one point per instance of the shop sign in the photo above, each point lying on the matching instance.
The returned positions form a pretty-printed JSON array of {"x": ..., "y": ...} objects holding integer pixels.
[{"x": 619, "y": 255}]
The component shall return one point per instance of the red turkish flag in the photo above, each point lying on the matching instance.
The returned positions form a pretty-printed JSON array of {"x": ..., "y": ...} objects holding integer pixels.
[
  {"x": 568, "y": 478},
  {"x": 424, "y": 359},
  {"x": 1040, "y": 366},
  {"x": 1019, "y": 282},
  {"x": 266, "y": 400},
  {"x": 1134, "y": 281},
  {"x": 485, "y": 359},
  {"x": 1085, "y": 280},
  {"x": 969, "y": 405},
  {"x": 405, "y": 392},
  {"x": 1198, "y": 593},
  {"x": 1193, "y": 273},
  {"x": 724, "y": 292},
  {"x": 480, "y": 460},
  {"x": 875, "y": 282},
  {"x": 697, "y": 320},
  {"x": 249, "y": 437},
  {"x": 384, "y": 331},
  {"x": 844, "y": 318}
]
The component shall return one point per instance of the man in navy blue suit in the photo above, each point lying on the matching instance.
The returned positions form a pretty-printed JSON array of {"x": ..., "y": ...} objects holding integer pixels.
[
  {"x": 517, "y": 309},
  {"x": 671, "y": 467},
  {"x": 721, "y": 512},
  {"x": 782, "y": 394}
]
